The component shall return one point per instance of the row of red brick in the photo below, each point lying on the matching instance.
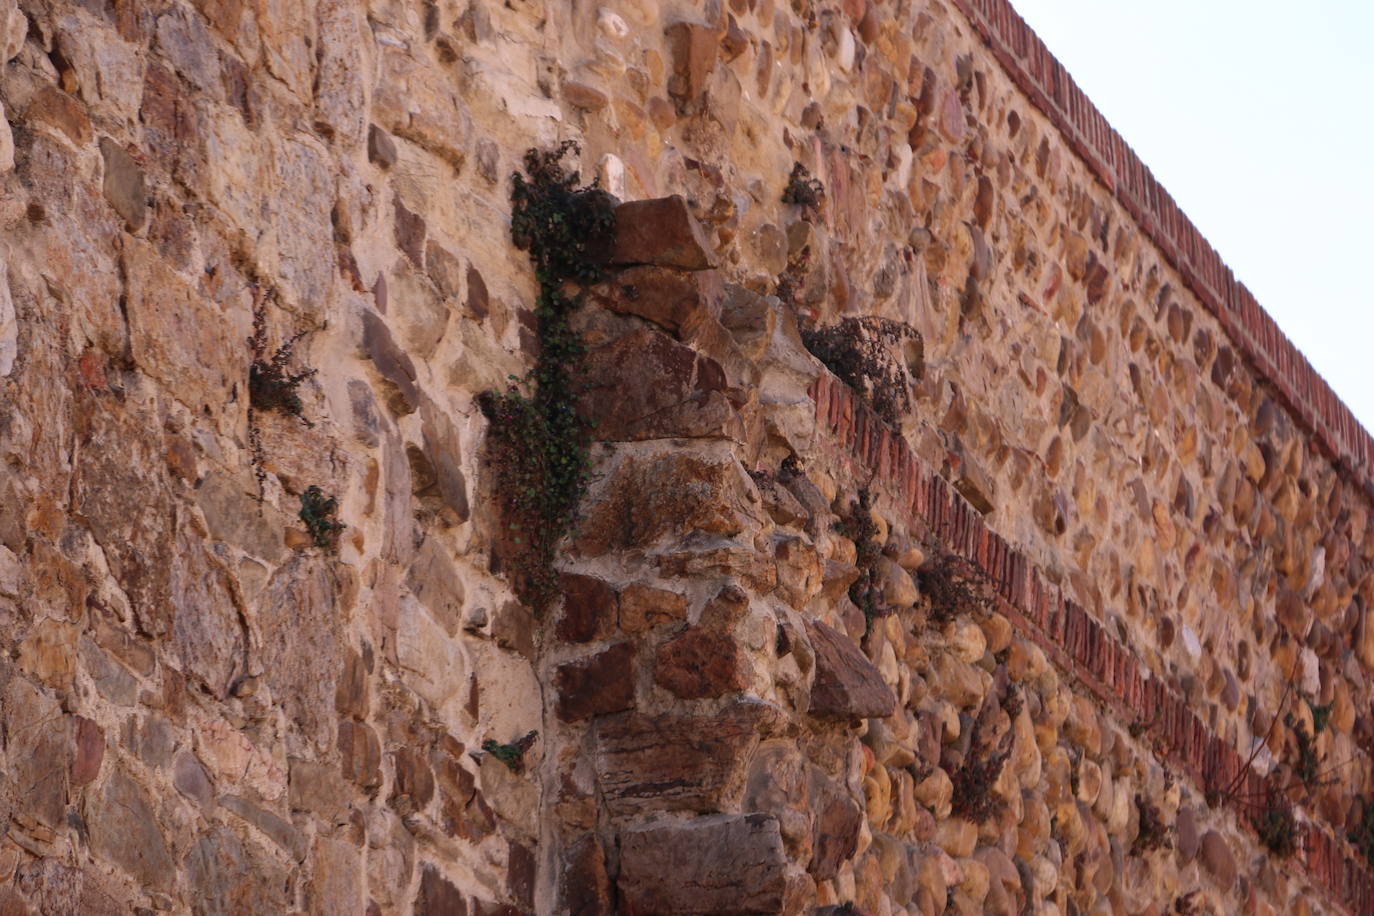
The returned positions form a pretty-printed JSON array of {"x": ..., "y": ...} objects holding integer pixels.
[
  {"x": 1262, "y": 344},
  {"x": 1077, "y": 642}
]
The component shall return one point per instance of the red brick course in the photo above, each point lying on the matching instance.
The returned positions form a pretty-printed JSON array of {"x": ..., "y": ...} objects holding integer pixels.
[
  {"x": 1076, "y": 642},
  {"x": 1265, "y": 348}
]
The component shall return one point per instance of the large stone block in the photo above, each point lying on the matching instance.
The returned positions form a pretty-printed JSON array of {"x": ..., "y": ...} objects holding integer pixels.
[
  {"x": 597, "y": 685},
  {"x": 725, "y": 865},
  {"x": 661, "y": 231},
  {"x": 645, "y": 385},
  {"x": 671, "y": 762},
  {"x": 847, "y": 683}
]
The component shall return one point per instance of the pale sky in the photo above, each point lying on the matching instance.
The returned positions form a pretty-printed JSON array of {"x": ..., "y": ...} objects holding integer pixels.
[{"x": 1258, "y": 117}]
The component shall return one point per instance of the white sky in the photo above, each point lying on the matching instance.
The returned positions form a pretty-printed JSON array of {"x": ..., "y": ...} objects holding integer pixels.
[{"x": 1258, "y": 117}]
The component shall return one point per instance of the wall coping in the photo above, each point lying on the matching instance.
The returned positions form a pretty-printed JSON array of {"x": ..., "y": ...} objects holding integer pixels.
[{"x": 1254, "y": 332}]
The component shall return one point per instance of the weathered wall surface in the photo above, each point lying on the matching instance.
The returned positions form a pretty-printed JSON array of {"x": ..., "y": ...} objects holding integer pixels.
[{"x": 1118, "y": 536}]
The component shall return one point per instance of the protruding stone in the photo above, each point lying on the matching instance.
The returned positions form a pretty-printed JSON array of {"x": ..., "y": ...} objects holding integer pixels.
[
  {"x": 693, "y": 48},
  {"x": 675, "y": 300},
  {"x": 701, "y": 664},
  {"x": 722, "y": 865},
  {"x": 847, "y": 683},
  {"x": 677, "y": 763},
  {"x": 123, "y": 185},
  {"x": 660, "y": 231},
  {"x": 394, "y": 365},
  {"x": 597, "y": 685}
]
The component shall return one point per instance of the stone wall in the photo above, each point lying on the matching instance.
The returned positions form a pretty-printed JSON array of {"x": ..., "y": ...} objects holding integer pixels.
[{"x": 1066, "y": 613}]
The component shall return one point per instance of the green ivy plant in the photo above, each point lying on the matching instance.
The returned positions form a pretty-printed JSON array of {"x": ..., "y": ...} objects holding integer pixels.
[
  {"x": 317, "y": 511},
  {"x": 538, "y": 445}
]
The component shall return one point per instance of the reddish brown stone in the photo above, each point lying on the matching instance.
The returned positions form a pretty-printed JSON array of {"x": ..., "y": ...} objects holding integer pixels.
[
  {"x": 1218, "y": 859},
  {"x": 645, "y": 385},
  {"x": 360, "y": 754},
  {"x": 392, "y": 362},
  {"x": 677, "y": 763},
  {"x": 350, "y": 691},
  {"x": 597, "y": 685},
  {"x": 478, "y": 302},
  {"x": 512, "y": 627},
  {"x": 438, "y": 896},
  {"x": 589, "y": 608},
  {"x": 1186, "y": 839},
  {"x": 584, "y": 886},
  {"x": 642, "y": 608},
  {"x": 520, "y": 875},
  {"x": 414, "y": 784},
  {"x": 90, "y": 751},
  {"x": 381, "y": 149},
  {"x": 660, "y": 231},
  {"x": 51, "y": 105},
  {"x": 672, "y": 493},
  {"x": 700, "y": 663},
  {"x": 847, "y": 683},
  {"x": 726, "y": 865},
  {"x": 693, "y": 48},
  {"x": 836, "y": 829}
]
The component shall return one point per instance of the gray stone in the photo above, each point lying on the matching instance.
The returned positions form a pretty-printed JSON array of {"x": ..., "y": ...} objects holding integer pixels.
[
  {"x": 434, "y": 580},
  {"x": 189, "y": 778},
  {"x": 443, "y": 448},
  {"x": 225, "y": 878},
  {"x": 300, "y": 615},
  {"x": 39, "y": 751},
  {"x": 123, "y": 185},
  {"x": 124, "y": 830},
  {"x": 381, "y": 149},
  {"x": 112, "y": 681},
  {"x": 277, "y": 830}
]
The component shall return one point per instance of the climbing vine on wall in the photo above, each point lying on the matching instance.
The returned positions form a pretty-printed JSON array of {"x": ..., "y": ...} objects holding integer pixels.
[{"x": 538, "y": 445}]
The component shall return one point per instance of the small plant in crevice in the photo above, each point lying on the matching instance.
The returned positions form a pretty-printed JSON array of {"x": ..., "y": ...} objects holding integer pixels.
[
  {"x": 866, "y": 591},
  {"x": 1321, "y": 715},
  {"x": 1012, "y": 701},
  {"x": 1153, "y": 832},
  {"x": 792, "y": 277},
  {"x": 974, "y": 779},
  {"x": 1308, "y": 764},
  {"x": 952, "y": 587},
  {"x": 1186, "y": 904},
  {"x": 538, "y": 445},
  {"x": 513, "y": 754},
  {"x": 802, "y": 189},
  {"x": 1363, "y": 833},
  {"x": 271, "y": 386},
  {"x": 317, "y": 511},
  {"x": 1276, "y": 825},
  {"x": 867, "y": 354}
]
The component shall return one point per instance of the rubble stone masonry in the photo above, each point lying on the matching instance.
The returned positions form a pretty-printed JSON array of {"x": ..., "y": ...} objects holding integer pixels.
[{"x": 1046, "y": 591}]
